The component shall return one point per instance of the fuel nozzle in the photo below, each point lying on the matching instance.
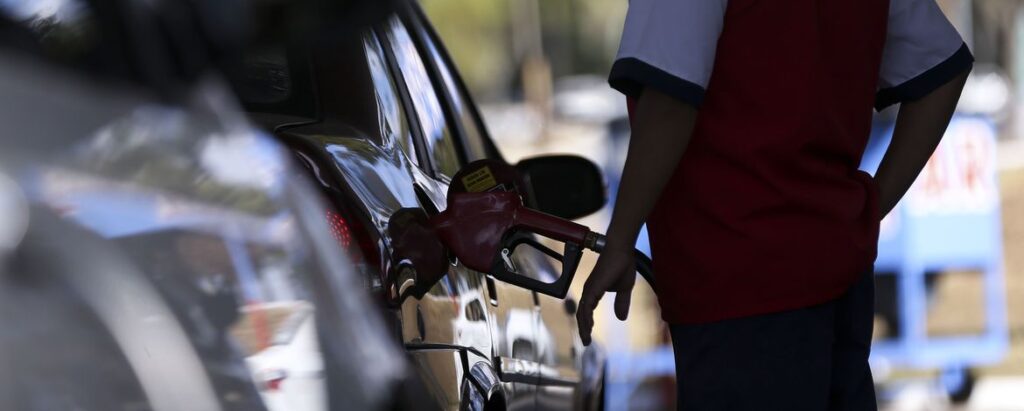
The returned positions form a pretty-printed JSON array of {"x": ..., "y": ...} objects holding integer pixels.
[
  {"x": 484, "y": 230},
  {"x": 486, "y": 221}
]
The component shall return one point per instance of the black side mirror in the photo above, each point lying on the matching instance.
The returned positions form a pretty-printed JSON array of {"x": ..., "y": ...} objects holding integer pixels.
[{"x": 564, "y": 186}]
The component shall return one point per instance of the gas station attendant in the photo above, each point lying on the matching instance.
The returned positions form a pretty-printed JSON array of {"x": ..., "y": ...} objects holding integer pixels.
[{"x": 749, "y": 119}]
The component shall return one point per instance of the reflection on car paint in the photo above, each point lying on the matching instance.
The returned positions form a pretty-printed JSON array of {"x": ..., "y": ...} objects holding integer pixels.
[
  {"x": 428, "y": 107},
  {"x": 392, "y": 117},
  {"x": 460, "y": 303},
  {"x": 446, "y": 364},
  {"x": 384, "y": 186},
  {"x": 14, "y": 216}
]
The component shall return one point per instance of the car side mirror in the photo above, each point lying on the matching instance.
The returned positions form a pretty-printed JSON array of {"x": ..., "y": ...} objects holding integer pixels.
[{"x": 564, "y": 186}]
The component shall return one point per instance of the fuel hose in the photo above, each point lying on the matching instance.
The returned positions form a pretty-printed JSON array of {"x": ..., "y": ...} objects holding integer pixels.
[{"x": 596, "y": 242}]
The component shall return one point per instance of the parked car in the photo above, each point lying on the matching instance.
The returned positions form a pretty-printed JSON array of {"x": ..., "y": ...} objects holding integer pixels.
[
  {"x": 157, "y": 251},
  {"x": 383, "y": 121}
]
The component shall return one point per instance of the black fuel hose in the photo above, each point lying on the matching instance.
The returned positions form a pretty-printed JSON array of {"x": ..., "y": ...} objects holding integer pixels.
[
  {"x": 597, "y": 241},
  {"x": 645, "y": 267}
]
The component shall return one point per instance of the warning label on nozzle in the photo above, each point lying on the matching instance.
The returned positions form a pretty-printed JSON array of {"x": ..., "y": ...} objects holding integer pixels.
[{"x": 479, "y": 181}]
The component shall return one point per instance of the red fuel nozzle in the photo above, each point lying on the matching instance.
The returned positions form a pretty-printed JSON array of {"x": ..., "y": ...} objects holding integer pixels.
[
  {"x": 478, "y": 227},
  {"x": 484, "y": 223},
  {"x": 483, "y": 229}
]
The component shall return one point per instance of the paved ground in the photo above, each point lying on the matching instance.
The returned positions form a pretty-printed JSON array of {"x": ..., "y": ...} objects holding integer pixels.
[{"x": 991, "y": 394}]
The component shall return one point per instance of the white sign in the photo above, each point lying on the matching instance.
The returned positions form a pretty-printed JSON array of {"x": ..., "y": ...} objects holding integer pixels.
[{"x": 960, "y": 178}]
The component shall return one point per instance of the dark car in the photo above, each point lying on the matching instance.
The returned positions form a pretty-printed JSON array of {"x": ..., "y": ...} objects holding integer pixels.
[
  {"x": 383, "y": 122},
  {"x": 157, "y": 251}
]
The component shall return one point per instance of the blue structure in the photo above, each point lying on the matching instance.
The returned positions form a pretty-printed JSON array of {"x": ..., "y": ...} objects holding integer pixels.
[{"x": 950, "y": 220}]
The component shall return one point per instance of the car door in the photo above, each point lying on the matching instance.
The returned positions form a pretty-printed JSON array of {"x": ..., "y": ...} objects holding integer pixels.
[
  {"x": 447, "y": 325},
  {"x": 512, "y": 316},
  {"x": 555, "y": 339},
  {"x": 558, "y": 346}
]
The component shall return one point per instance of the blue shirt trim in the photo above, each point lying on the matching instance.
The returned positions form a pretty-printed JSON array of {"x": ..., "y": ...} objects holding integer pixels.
[
  {"x": 631, "y": 75},
  {"x": 927, "y": 82}
]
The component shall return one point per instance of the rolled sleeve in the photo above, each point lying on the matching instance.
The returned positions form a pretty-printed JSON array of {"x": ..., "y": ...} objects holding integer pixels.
[
  {"x": 668, "y": 45},
  {"x": 923, "y": 51}
]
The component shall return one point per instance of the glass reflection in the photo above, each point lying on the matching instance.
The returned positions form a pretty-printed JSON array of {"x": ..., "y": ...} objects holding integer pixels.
[
  {"x": 428, "y": 106},
  {"x": 64, "y": 28},
  {"x": 461, "y": 102},
  {"x": 207, "y": 213},
  {"x": 383, "y": 186},
  {"x": 393, "y": 124}
]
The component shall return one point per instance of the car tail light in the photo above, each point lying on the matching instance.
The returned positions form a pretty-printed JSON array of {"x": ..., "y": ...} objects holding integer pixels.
[
  {"x": 358, "y": 243},
  {"x": 351, "y": 234},
  {"x": 339, "y": 228}
]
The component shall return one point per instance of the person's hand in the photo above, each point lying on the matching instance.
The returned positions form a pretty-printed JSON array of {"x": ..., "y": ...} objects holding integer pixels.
[{"x": 615, "y": 272}]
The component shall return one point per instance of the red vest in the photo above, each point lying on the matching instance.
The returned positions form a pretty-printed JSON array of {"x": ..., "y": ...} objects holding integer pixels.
[{"x": 767, "y": 210}]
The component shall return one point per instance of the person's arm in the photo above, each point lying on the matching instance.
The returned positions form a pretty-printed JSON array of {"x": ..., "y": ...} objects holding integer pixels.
[
  {"x": 663, "y": 127},
  {"x": 925, "y": 64},
  {"x": 919, "y": 128},
  {"x": 665, "y": 59}
]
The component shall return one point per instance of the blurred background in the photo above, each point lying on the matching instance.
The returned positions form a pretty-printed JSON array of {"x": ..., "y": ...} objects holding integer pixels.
[{"x": 950, "y": 320}]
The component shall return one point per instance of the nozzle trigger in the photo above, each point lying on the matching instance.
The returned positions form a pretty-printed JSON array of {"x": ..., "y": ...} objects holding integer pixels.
[{"x": 509, "y": 264}]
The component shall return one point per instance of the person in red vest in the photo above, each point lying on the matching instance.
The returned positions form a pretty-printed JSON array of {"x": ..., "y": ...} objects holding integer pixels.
[{"x": 749, "y": 120}]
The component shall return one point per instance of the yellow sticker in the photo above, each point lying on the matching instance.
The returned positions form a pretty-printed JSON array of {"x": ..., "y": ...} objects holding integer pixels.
[{"x": 479, "y": 181}]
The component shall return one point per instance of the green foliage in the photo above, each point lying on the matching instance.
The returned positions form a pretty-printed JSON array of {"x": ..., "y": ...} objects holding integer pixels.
[
  {"x": 475, "y": 32},
  {"x": 580, "y": 36}
]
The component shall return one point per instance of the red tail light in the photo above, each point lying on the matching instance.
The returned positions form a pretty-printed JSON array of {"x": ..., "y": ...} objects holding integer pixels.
[
  {"x": 357, "y": 241},
  {"x": 339, "y": 228}
]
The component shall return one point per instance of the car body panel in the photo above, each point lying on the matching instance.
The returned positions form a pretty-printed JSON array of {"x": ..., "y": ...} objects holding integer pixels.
[
  {"x": 559, "y": 355},
  {"x": 513, "y": 329},
  {"x": 443, "y": 371}
]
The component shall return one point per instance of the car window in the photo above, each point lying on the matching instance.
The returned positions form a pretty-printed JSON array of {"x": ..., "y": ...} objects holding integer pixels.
[
  {"x": 436, "y": 132},
  {"x": 460, "y": 99},
  {"x": 270, "y": 80},
  {"x": 394, "y": 124},
  {"x": 265, "y": 77}
]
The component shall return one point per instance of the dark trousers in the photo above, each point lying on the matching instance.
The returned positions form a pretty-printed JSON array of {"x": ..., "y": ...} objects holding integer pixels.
[{"x": 812, "y": 359}]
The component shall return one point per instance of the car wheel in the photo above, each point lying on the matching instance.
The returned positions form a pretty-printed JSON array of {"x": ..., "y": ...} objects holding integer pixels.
[{"x": 960, "y": 385}]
